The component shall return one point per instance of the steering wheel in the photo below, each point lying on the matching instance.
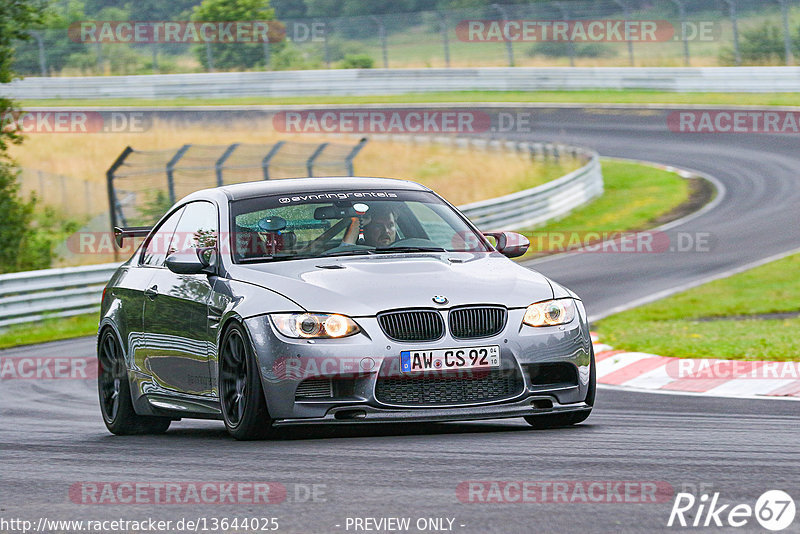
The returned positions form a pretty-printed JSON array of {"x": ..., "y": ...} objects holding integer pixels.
[{"x": 317, "y": 243}]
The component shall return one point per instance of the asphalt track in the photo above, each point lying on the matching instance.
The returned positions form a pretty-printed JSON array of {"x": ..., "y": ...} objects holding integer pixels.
[{"x": 52, "y": 435}]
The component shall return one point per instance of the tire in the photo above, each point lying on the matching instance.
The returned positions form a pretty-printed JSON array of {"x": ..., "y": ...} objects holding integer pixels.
[
  {"x": 114, "y": 391},
  {"x": 241, "y": 395},
  {"x": 557, "y": 420}
]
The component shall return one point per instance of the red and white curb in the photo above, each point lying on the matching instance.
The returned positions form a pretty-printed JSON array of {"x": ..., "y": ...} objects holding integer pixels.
[{"x": 716, "y": 378}]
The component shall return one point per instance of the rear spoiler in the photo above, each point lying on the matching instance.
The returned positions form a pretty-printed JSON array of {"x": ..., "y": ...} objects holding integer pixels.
[{"x": 132, "y": 231}]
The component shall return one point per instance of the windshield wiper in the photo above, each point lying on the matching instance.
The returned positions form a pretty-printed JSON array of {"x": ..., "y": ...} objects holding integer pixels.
[
  {"x": 380, "y": 250},
  {"x": 264, "y": 259},
  {"x": 356, "y": 252}
]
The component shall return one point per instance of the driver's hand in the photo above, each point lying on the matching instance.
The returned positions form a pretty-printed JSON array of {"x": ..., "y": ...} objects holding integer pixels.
[{"x": 351, "y": 235}]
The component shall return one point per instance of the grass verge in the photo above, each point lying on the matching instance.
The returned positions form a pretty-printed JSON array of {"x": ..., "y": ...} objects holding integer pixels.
[
  {"x": 555, "y": 97},
  {"x": 52, "y": 329},
  {"x": 636, "y": 197},
  {"x": 726, "y": 319}
]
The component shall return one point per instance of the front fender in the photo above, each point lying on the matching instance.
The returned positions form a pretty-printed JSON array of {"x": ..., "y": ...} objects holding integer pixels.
[{"x": 233, "y": 300}]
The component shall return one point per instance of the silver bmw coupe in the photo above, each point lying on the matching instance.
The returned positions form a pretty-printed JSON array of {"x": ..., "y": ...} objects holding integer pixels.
[{"x": 334, "y": 301}]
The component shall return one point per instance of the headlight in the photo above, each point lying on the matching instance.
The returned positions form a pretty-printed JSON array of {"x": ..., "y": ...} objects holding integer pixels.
[
  {"x": 550, "y": 313},
  {"x": 314, "y": 325}
]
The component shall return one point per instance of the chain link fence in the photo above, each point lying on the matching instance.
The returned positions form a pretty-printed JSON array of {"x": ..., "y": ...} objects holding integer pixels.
[
  {"x": 143, "y": 185},
  {"x": 69, "y": 196},
  {"x": 688, "y": 32}
]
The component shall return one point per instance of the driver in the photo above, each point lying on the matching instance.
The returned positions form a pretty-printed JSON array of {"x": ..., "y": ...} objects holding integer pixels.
[{"x": 379, "y": 224}]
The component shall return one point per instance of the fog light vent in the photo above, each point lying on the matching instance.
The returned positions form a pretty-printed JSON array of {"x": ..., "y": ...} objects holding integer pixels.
[{"x": 315, "y": 388}]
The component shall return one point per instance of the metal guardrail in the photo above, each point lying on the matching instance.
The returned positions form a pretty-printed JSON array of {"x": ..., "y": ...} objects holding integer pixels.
[
  {"x": 530, "y": 207},
  {"x": 538, "y": 205},
  {"x": 34, "y": 295},
  {"x": 31, "y": 296},
  {"x": 342, "y": 82}
]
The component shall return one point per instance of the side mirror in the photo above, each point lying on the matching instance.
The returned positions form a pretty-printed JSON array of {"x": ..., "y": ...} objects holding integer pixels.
[
  {"x": 509, "y": 244},
  {"x": 193, "y": 261}
]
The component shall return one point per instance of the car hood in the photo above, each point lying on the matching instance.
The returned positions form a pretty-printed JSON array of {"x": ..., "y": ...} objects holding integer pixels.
[{"x": 365, "y": 285}]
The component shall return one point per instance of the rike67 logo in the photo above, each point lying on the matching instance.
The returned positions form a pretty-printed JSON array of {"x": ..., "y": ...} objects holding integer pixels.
[{"x": 774, "y": 510}]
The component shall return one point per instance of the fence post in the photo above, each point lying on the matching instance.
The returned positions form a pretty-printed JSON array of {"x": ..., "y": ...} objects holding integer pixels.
[
  {"x": 445, "y": 39},
  {"x": 382, "y": 36},
  {"x": 88, "y": 195},
  {"x": 155, "y": 57},
  {"x": 271, "y": 154},
  {"x": 682, "y": 16},
  {"x": 42, "y": 58},
  {"x": 112, "y": 196},
  {"x": 209, "y": 57},
  {"x": 100, "y": 70},
  {"x": 735, "y": 24},
  {"x": 221, "y": 161},
  {"x": 504, "y": 18},
  {"x": 352, "y": 155},
  {"x": 626, "y": 14},
  {"x": 314, "y": 156},
  {"x": 171, "y": 167},
  {"x": 787, "y": 37},
  {"x": 326, "y": 44},
  {"x": 570, "y": 44}
]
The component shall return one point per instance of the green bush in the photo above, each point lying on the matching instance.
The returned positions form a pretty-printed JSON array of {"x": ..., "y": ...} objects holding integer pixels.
[
  {"x": 292, "y": 58},
  {"x": 561, "y": 49},
  {"x": 357, "y": 61},
  {"x": 28, "y": 236},
  {"x": 762, "y": 45},
  {"x": 338, "y": 49}
]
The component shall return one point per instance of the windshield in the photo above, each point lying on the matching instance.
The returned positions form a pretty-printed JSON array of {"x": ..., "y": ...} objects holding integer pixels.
[{"x": 342, "y": 223}]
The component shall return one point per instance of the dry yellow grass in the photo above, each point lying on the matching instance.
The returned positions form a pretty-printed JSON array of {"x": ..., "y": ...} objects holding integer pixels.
[{"x": 461, "y": 176}]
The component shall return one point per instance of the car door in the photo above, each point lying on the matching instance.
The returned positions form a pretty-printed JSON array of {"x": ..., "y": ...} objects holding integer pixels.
[
  {"x": 149, "y": 263},
  {"x": 176, "y": 310}
]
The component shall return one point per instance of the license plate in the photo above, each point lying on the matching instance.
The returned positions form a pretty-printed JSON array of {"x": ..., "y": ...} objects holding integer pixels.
[{"x": 412, "y": 361}]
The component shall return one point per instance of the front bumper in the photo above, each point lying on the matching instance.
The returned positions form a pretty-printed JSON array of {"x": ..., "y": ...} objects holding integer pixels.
[
  {"x": 362, "y": 358},
  {"x": 371, "y": 414}
]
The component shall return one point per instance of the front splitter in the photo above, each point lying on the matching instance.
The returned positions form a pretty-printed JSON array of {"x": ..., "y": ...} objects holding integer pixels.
[{"x": 370, "y": 414}]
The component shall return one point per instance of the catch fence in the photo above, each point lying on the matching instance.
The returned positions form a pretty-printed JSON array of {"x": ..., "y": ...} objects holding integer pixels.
[{"x": 142, "y": 185}]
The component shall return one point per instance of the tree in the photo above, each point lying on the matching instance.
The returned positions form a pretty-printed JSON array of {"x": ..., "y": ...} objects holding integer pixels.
[
  {"x": 289, "y": 9},
  {"x": 52, "y": 29},
  {"x": 22, "y": 243},
  {"x": 16, "y": 17},
  {"x": 237, "y": 55},
  {"x": 161, "y": 10}
]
